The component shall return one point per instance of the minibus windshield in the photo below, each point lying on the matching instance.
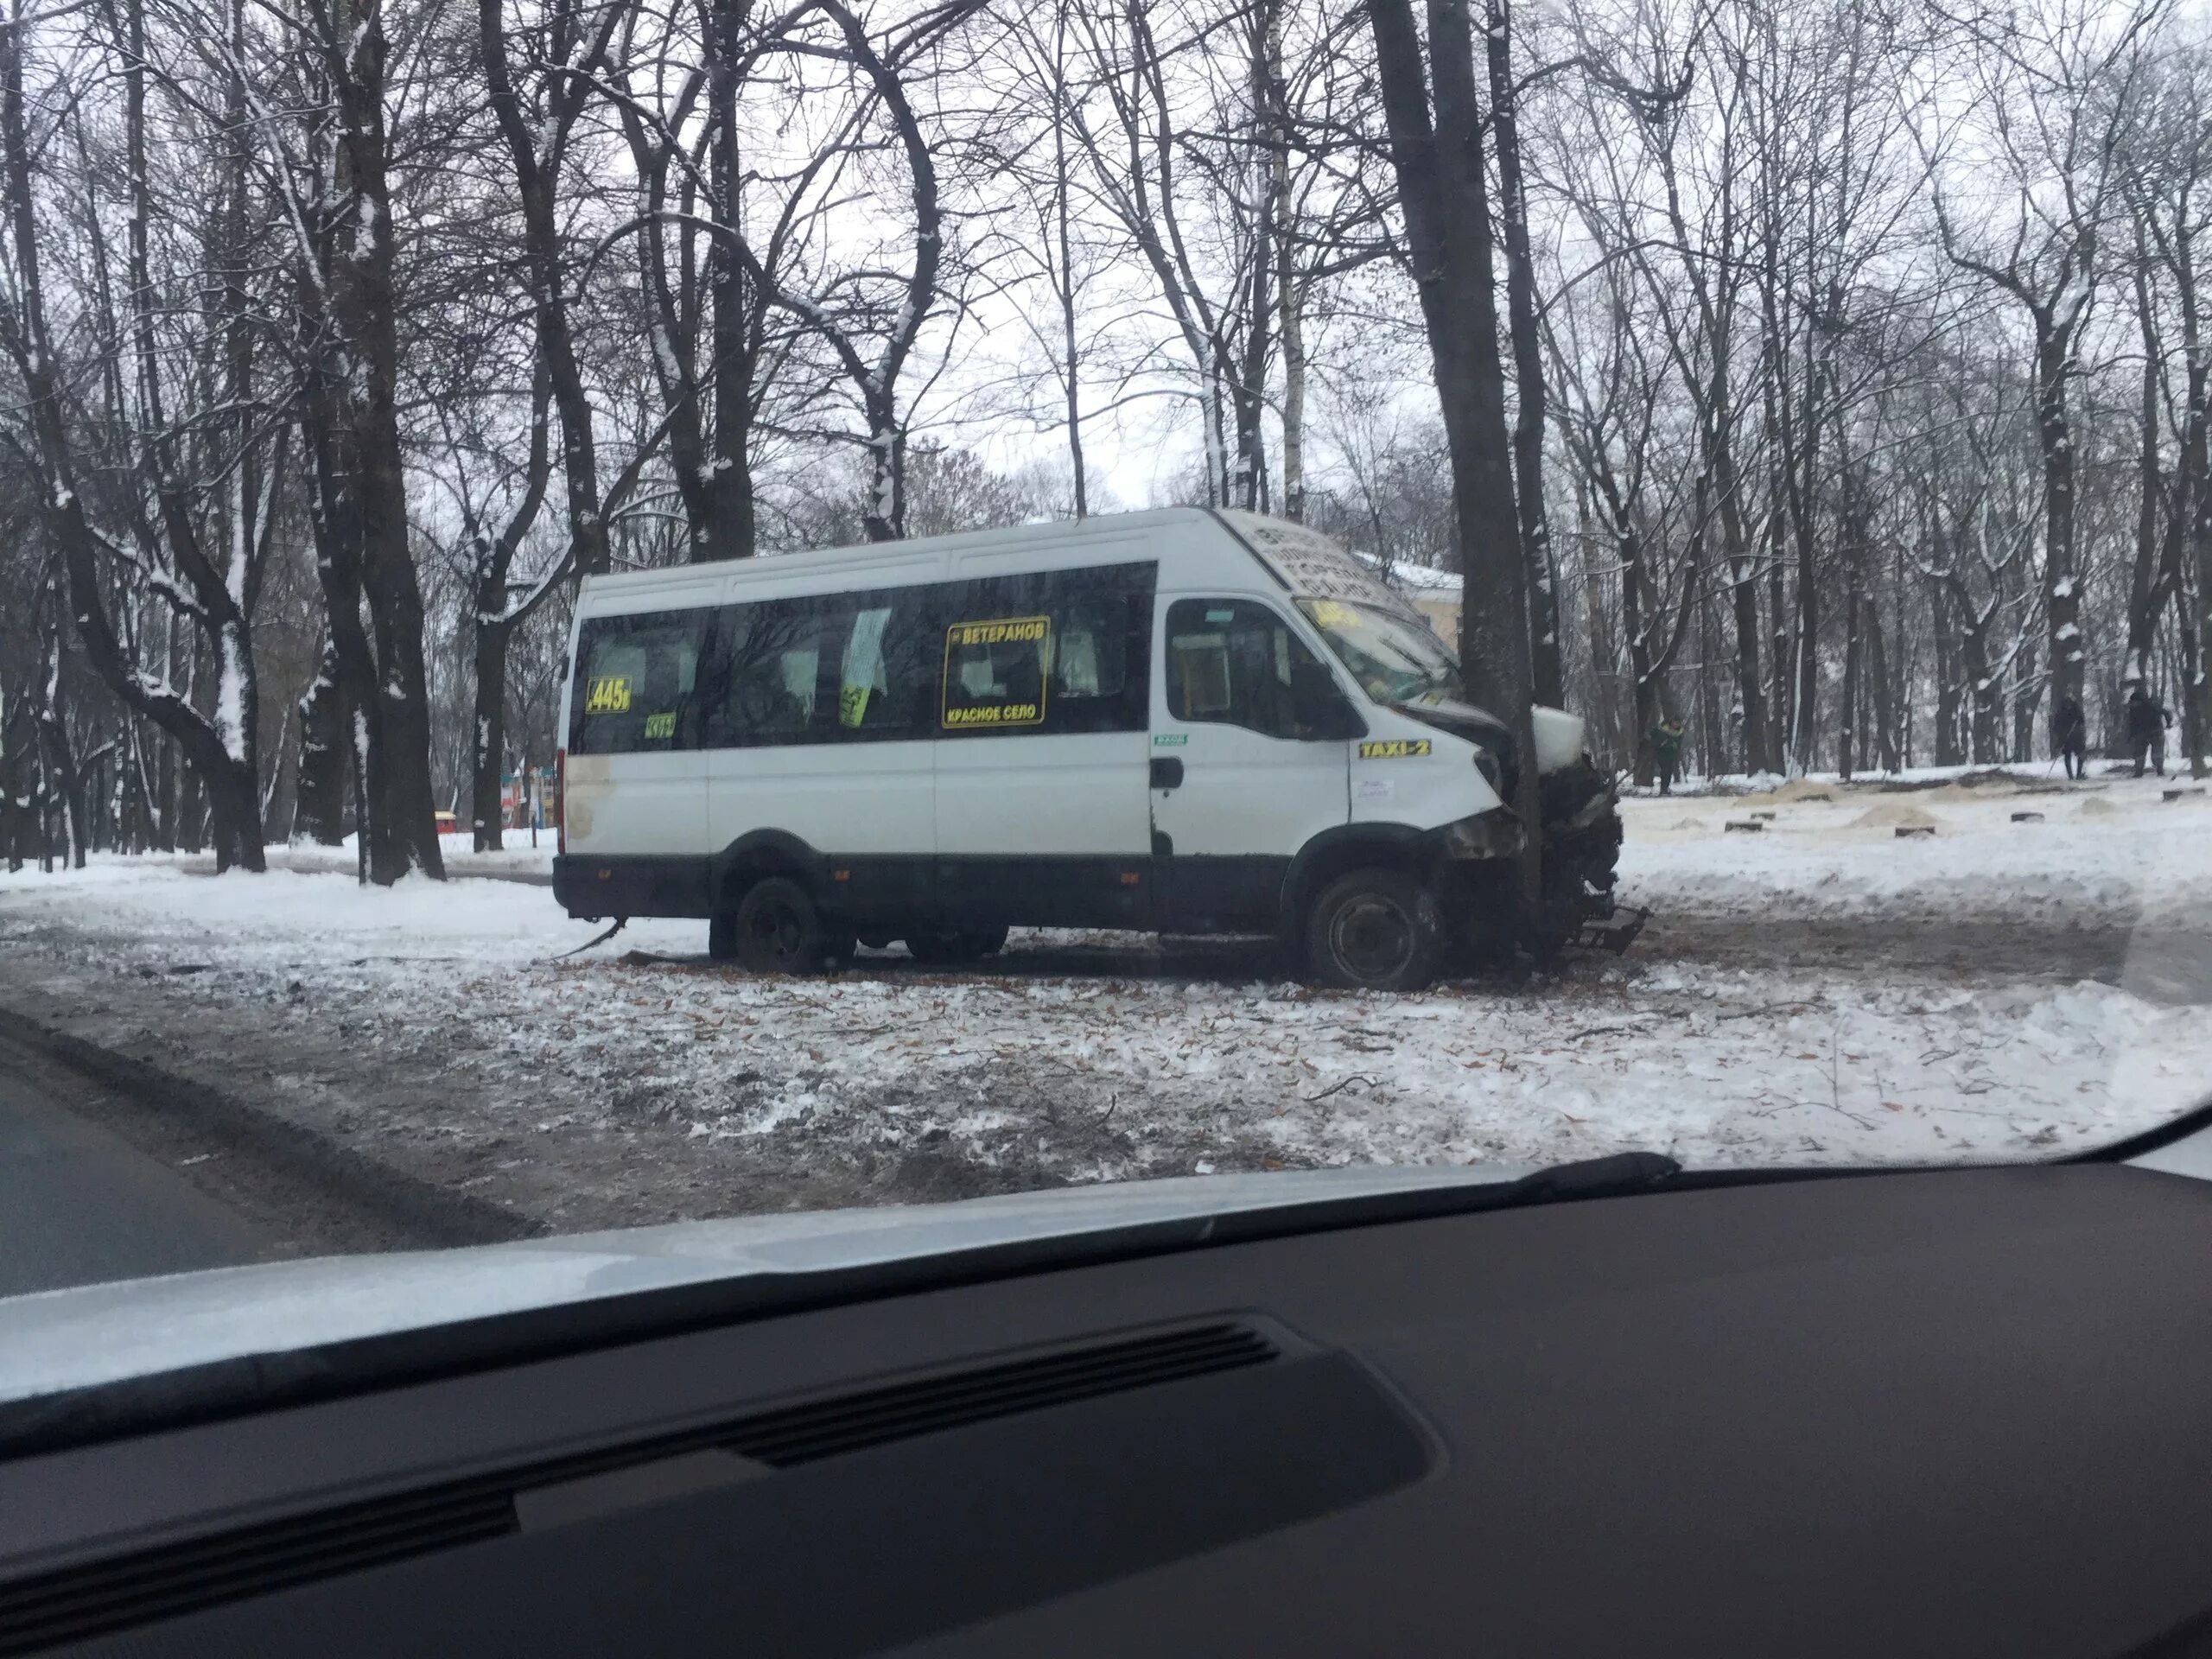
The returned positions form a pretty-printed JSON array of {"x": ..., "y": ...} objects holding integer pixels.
[{"x": 1395, "y": 660}]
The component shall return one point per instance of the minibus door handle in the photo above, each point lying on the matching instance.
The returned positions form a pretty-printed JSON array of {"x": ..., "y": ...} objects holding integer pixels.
[{"x": 1167, "y": 771}]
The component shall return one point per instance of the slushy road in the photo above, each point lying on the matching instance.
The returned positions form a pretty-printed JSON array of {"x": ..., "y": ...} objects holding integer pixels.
[{"x": 79, "y": 1205}]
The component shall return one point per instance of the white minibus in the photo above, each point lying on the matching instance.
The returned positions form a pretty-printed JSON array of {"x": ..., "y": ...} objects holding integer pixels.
[{"x": 1183, "y": 721}]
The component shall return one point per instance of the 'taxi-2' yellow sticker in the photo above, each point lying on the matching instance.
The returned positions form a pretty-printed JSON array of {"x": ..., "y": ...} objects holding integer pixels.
[{"x": 1393, "y": 748}]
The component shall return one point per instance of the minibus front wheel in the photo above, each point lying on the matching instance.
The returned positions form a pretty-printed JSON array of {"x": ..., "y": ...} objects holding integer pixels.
[{"x": 1374, "y": 930}]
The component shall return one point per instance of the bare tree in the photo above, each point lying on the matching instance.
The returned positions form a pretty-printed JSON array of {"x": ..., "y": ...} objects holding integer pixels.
[{"x": 1435, "y": 123}]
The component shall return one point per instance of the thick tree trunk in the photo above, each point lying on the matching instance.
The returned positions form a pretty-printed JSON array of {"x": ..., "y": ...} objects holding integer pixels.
[
  {"x": 1445, "y": 202},
  {"x": 365, "y": 310}
]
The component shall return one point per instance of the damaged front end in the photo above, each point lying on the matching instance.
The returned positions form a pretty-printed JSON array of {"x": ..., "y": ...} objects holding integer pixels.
[
  {"x": 1582, "y": 852},
  {"x": 1476, "y": 877},
  {"x": 1580, "y": 808}
]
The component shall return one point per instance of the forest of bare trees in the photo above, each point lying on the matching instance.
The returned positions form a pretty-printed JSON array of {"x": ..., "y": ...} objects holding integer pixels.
[{"x": 1832, "y": 378}]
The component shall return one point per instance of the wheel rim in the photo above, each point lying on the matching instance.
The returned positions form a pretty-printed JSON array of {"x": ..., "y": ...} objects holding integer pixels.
[
  {"x": 1372, "y": 938},
  {"x": 778, "y": 932}
]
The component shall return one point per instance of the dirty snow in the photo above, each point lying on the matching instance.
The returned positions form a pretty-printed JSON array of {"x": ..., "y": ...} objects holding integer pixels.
[{"x": 431, "y": 1026}]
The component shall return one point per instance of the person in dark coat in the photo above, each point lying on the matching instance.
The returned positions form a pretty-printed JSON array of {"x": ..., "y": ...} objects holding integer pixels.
[
  {"x": 2071, "y": 733},
  {"x": 1666, "y": 751},
  {"x": 2147, "y": 721}
]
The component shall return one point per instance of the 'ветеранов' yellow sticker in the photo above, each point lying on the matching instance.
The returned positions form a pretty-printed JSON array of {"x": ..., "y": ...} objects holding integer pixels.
[{"x": 1393, "y": 748}]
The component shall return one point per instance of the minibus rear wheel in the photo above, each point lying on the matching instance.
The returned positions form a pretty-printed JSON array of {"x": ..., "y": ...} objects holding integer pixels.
[
  {"x": 779, "y": 930},
  {"x": 1374, "y": 930}
]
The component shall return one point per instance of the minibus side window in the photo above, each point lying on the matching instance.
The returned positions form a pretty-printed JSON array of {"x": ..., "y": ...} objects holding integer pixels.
[
  {"x": 770, "y": 674},
  {"x": 887, "y": 666},
  {"x": 1236, "y": 662},
  {"x": 1093, "y": 688},
  {"x": 993, "y": 677},
  {"x": 635, "y": 678},
  {"x": 829, "y": 668},
  {"x": 1092, "y": 663}
]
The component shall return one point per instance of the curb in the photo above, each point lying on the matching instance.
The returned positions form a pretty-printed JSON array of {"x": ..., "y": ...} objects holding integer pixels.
[{"x": 432, "y": 1216}]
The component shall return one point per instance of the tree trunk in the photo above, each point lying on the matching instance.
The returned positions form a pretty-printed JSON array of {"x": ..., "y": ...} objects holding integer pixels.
[
  {"x": 1782, "y": 706},
  {"x": 61, "y": 765},
  {"x": 538, "y": 180},
  {"x": 1643, "y": 711},
  {"x": 1547, "y": 668},
  {"x": 1712, "y": 742},
  {"x": 2025, "y": 696},
  {"x": 2193, "y": 713},
  {"x": 1847, "y": 754},
  {"x": 1445, "y": 203},
  {"x": 1948, "y": 700},
  {"x": 1801, "y": 460},
  {"x": 2146, "y": 598},
  {"x": 2193, "y": 509},
  {"x": 1071, "y": 351},
  {"x": 319, "y": 796},
  {"x": 1885, "y": 691},
  {"x": 488, "y": 751},
  {"x": 401, "y": 800},
  {"x": 732, "y": 533},
  {"x": 2061, "y": 589}
]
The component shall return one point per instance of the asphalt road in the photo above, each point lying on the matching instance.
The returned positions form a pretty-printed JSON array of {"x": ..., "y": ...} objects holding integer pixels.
[{"x": 78, "y": 1205}]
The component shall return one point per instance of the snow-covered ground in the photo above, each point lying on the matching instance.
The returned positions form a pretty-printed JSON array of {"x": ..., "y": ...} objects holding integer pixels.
[
  {"x": 1817, "y": 991},
  {"x": 2110, "y": 852}
]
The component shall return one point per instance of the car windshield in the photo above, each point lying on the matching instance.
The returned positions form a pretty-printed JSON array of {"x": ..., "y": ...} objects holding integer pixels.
[
  {"x": 1394, "y": 659},
  {"x": 861, "y": 609}
]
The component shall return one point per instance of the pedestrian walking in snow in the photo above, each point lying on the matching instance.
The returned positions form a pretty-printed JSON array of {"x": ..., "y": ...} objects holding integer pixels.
[
  {"x": 1667, "y": 752},
  {"x": 2070, "y": 736},
  {"x": 2147, "y": 721}
]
